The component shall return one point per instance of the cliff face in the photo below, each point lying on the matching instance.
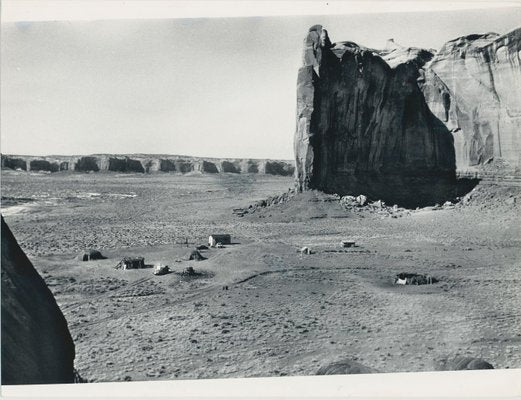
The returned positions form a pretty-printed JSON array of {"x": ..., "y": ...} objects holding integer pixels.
[
  {"x": 142, "y": 163},
  {"x": 37, "y": 347},
  {"x": 363, "y": 125},
  {"x": 473, "y": 85}
]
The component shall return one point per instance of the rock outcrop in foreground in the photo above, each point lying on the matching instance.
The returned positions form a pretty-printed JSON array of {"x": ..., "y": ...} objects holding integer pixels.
[
  {"x": 345, "y": 367},
  {"x": 463, "y": 363},
  {"x": 37, "y": 347},
  {"x": 143, "y": 163},
  {"x": 386, "y": 124}
]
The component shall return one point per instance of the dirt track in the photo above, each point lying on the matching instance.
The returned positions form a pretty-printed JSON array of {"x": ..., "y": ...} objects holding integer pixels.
[{"x": 283, "y": 313}]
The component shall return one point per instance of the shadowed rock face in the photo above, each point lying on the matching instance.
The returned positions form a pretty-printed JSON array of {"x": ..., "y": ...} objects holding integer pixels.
[
  {"x": 228, "y": 166},
  {"x": 363, "y": 125},
  {"x": 472, "y": 85},
  {"x": 279, "y": 168},
  {"x": 252, "y": 168},
  {"x": 14, "y": 163},
  {"x": 184, "y": 166},
  {"x": 125, "y": 165},
  {"x": 87, "y": 164},
  {"x": 209, "y": 167},
  {"x": 167, "y": 166},
  {"x": 43, "y": 165},
  {"x": 37, "y": 347}
]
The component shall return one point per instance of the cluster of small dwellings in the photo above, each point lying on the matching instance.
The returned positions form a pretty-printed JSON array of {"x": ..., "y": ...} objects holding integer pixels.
[
  {"x": 138, "y": 262},
  {"x": 219, "y": 241}
]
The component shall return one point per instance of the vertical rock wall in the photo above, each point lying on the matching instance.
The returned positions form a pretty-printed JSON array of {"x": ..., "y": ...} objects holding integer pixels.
[
  {"x": 316, "y": 40},
  {"x": 473, "y": 85},
  {"x": 363, "y": 125}
]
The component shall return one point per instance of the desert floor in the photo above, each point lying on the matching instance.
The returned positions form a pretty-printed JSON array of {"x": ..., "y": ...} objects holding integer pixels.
[{"x": 284, "y": 313}]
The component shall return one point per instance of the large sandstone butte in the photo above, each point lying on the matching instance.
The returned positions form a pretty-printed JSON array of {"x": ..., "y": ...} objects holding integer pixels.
[
  {"x": 473, "y": 85},
  {"x": 385, "y": 123},
  {"x": 37, "y": 347}
]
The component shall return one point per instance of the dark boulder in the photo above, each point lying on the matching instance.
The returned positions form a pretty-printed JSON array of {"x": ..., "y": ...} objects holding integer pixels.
[
  {"x": 252, "y": 167},
  {"x": 228, "y": 166},
  {"x": 279, "y": 168},
  {"x": 125, "y": 165},
  {"x": 464, "y": 363},
  {"x": 344, "y": 367},
  {"x": 209, "y": 167},
  {"x": 87, "y": 164},
  {"x": 14, "y": 163},
  {"x": 167, "y": 166},
  {"x": 43, "y": 165}
]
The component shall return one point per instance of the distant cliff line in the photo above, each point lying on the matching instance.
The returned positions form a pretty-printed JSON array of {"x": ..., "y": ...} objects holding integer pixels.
[{"x": 144, "y": 163}]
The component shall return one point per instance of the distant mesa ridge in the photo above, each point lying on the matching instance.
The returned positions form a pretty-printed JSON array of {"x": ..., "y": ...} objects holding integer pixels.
[
  {"x": 143, "y": 163},
  {"x": 403, "y": 122}
]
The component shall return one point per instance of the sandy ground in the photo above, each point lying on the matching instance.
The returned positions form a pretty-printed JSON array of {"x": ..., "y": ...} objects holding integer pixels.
[{"x": 283, "y": 313}]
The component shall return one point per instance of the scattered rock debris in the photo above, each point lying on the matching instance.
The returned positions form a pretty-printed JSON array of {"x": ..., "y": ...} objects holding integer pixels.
[
  {"x": 144, "y": 288},
  {"x": 240, "y": 212},
  {"x": 492, "y": 197},
  {"x": 272, "y": 200},
  {"x": 360, "y": 203}
]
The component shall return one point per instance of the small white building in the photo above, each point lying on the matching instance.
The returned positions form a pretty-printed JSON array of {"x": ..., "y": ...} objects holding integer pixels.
[{"x": 219, "y": 238}]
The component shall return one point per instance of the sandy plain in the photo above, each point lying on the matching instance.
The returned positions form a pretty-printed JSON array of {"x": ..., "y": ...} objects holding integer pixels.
[{"x": 283, "y": 313}]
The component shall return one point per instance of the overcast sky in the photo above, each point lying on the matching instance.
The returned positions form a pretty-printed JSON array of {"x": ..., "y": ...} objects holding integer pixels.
[{"x": 203, "y": 87}]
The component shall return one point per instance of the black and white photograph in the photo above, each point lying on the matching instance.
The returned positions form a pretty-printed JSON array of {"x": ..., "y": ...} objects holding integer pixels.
[{"x": 333, "y": 191}]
